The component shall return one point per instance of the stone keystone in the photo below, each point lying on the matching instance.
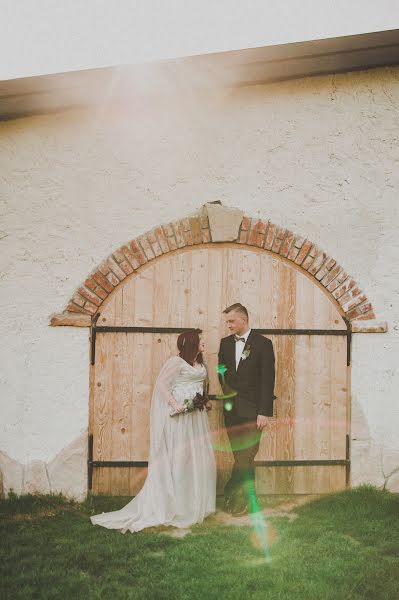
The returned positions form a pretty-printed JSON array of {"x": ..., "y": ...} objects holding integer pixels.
[{"x": 224, "y": 222}]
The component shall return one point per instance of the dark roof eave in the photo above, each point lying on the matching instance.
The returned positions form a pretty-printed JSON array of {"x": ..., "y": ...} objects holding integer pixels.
[{"x": 48, "y": 93}]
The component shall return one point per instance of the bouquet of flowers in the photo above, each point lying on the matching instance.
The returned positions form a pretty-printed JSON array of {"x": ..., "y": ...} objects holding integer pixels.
[{"x": 197, "y": 403}]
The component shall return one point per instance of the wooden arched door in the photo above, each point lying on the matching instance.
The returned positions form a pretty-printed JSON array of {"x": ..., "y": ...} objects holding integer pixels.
[{"x": 305, "y": 451}]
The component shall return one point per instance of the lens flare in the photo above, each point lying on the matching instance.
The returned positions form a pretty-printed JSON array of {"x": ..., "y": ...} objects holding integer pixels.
[
  {"x": 243, "y": 437},
  {"x": 224, "y": 396},
  {"x": 258, "y": 522},
  {"x": 221, "y": 369}
]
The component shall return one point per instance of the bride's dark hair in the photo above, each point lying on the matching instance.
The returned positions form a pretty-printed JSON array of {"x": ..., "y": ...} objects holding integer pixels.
[{"x": 188, "y": 344}]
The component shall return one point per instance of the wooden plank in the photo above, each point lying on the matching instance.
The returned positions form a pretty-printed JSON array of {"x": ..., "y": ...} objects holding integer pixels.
[
  {"x": 144, "y": 379},
  {"x": 102, "y": 429},
  {"x": 163, "y": 306},
  {"x": 133, "y": 477},
  {"x": 339, "y": 420},
  {"x": 198, "y": 299},
  {"x": 247, "y": 283},
  {"x": 121, "y": 401},
  {"x": 178, "y": 288},
  {"x": 217, "y": 291},
  {"x": 268, "y": 292},
  {"x": 285, "y": 370}
]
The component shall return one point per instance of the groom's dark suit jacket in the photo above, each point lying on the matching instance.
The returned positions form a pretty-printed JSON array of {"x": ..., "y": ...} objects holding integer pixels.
[{"x": 254, "y": 378}]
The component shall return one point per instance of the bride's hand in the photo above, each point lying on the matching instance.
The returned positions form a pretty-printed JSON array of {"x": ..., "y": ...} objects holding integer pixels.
[{"x": 178, "y": 407}]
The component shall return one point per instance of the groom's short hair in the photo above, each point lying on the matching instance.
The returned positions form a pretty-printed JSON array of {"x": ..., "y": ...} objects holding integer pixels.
[{"x": 237, "y": 307}]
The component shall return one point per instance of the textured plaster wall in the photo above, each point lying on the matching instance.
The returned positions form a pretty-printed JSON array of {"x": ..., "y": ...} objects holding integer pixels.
[{"x": 319, "y": 156}]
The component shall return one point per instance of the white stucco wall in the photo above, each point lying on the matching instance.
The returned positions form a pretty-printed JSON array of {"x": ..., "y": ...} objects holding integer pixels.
[
  {"x": 50, "y": 37},
  {"x": 319, "y": 156}
]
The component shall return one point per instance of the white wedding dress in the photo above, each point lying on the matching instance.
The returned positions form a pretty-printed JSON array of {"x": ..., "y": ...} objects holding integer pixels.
[{"x": 180, "y": 488}]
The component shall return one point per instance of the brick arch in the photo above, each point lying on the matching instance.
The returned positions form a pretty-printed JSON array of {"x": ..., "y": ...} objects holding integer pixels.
[{"x": 195, "y": 230}]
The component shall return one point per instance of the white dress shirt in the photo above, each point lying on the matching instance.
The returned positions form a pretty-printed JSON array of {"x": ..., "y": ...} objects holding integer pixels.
[{"x": 240, "y": 347}]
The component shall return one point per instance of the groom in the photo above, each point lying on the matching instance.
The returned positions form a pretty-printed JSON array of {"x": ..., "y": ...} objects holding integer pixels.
[{"x": 249, "y": 374}]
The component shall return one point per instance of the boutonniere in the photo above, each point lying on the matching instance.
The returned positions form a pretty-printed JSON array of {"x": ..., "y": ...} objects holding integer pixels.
[{"x": 246, "y": 352}]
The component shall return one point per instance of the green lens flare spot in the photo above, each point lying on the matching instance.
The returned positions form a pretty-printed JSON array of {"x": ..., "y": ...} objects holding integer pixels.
[
  {"x": 221, "y": 369},
  {"x": 225, "y": 396},
  {"x": 228, "y": 406}
]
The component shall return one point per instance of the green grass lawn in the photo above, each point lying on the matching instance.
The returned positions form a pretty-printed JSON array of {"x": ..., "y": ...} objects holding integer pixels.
[{"x": 341, "y": 546}]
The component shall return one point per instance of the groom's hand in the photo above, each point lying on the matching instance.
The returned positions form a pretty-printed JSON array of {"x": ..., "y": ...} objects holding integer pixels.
[{"x": 261, "y": 422}]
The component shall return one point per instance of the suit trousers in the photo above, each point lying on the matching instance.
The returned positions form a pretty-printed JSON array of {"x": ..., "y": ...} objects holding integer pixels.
[{"x": 244, "y": 440}]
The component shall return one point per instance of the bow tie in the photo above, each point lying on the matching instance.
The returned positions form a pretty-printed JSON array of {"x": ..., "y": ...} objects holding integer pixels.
[{"x": 239, "y": 339}]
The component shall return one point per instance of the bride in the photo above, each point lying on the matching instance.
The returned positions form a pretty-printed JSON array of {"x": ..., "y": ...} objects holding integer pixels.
[{"x": 180, "y": 488}]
